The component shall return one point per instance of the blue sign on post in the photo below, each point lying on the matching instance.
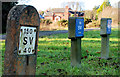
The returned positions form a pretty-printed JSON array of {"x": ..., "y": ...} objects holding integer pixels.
[
  {"x": 79, "y": 27},
  {"x": 109, "y": 26}
]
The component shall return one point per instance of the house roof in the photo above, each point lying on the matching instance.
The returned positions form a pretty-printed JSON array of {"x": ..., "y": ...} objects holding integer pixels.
[
  {"x": 54, "y": 10},
  {"x": 58, "y": 10}
]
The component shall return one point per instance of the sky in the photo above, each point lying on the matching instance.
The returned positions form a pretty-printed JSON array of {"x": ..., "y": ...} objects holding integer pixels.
[{"x": 45, "y": 4}]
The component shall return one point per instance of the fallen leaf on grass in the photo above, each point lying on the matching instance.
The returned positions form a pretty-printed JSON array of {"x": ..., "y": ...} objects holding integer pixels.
[
  {"x": 67, "y": 43},
  {"x": 112, "y": 54},
  {"x": 38, "y": 50},
  {"x": 99, "y": 57},
  {"x": 87, "y": 51},
  {"x": 98, "y": 52},
  {"x": 44, "y": 73},
  {"x": 63, "y": 43},
  {"x": 85, "y": 56}
]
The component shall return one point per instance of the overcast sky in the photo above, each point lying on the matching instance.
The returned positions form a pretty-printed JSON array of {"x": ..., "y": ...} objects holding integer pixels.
[{"x": 45, "y": 4}]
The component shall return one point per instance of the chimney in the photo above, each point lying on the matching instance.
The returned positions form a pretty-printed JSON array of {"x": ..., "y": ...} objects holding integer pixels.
[
  {"x": 66, "y": 7},
  {"x": 53, "y": 15}
]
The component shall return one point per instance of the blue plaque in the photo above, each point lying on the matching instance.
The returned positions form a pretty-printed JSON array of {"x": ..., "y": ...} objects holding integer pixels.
[
  {"x": 109, "y": 26},
  {"x": 79, "y": 27}
]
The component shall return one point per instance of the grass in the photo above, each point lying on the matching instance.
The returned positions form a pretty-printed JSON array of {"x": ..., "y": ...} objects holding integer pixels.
[{"x": 53, "y": 57}]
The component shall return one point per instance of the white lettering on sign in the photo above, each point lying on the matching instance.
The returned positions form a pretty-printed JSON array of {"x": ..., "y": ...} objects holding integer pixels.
[
  {"x": 109, "y": 24},
  {"x": 27, "y": 40},
  {"x": 79, "y": 27},
  {"x": 80, "y": 23}
]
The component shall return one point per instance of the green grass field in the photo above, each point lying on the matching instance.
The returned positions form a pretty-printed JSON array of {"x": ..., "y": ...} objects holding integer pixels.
[{"x": 53, "y": 57}]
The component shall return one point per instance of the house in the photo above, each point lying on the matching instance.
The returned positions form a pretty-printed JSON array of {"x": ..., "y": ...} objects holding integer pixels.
[{"x": 57, "y": 14}]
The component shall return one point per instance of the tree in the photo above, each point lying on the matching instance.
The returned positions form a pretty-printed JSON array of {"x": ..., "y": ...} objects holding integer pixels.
[
  {"x": 6, "y": 6},
  {"x": 74, "y": 5},
  {"x": 42, "y": 12},
  {"x": 94, "y": 12},
  {"x": 96, "y": 7},
  {"x": 104, "y": 5}
]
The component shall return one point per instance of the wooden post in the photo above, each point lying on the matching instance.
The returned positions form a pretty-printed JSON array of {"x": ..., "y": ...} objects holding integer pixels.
[{"x": 21, "y": 41}]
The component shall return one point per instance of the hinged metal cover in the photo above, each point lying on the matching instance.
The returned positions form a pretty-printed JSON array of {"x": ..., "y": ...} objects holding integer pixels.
[
  {"x": 105, "y": 26},
  {"x": 76, "y": 27}
]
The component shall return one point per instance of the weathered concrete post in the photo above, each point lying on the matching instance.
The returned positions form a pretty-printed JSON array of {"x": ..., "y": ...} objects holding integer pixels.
[
  {"x": 21, "y": 41},
  {"x": 105, "y": 32},
  {"x": 75, "y": 33}
]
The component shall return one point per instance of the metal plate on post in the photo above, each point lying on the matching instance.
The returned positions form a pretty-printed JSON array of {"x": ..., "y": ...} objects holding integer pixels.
[
  {"x": 109, "y": 26},
  {"x": 79, "y": 27},
  {"x": 27, "y": 40}
]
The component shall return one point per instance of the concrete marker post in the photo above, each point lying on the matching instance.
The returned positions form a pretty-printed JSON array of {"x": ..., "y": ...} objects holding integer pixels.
[
  {"x": 21, "y": 41},
  {"x": 76, "y": 53},
  {"x": 75, "y": 33},
  {"x": 105, "y": 32}
]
